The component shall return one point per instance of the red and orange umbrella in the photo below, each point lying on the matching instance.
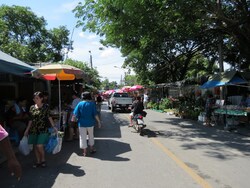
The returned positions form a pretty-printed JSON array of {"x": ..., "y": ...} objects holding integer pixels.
[{"x": 59, "y": 72}]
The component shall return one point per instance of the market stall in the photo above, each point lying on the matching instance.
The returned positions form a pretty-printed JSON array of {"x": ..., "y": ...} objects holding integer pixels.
[
  {"x": 228, "y": 113},
  {"x": 232, "y": 115}
]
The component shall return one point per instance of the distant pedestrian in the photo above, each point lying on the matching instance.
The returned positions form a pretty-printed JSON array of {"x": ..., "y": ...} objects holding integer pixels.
[
  {"x": 209, "y": 109},
  {"x": 86, "y": 116},
  {"x": 145, "y": 100},
  {"x": 38, "y": 128},
  {"x": 45, "y": 97},
  {"x": 99, "y": 104},
  {"x": 73, "y": 129},
  {"x": 17, "y": 116}
]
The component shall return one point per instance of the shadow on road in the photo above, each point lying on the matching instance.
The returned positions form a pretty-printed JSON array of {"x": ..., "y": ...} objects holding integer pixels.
[
  {"x": 218, "y": 142},
  {"x": 43, "y": 177},
  {"x": 109, "y": 150}
]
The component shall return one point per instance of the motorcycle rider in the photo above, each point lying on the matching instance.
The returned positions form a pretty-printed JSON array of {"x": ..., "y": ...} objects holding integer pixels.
[{"x": 136, "y": 108}]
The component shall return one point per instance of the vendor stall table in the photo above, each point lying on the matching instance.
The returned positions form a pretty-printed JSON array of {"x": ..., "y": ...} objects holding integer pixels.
[{"x": 234, "y": 113}]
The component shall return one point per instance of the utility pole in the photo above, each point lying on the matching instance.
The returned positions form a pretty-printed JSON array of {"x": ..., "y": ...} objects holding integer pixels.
[{"x": 90, "y": 59}]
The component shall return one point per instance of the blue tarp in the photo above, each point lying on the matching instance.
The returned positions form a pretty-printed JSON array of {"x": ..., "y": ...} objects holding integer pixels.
[
  {"x": 11, "y": 65},
  {"x": 227, "y": 78}
]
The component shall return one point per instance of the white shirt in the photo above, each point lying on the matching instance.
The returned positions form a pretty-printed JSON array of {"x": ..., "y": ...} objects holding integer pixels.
[
  {"x": 75, "y": 103},
  {"x": 145, "y": 98}
]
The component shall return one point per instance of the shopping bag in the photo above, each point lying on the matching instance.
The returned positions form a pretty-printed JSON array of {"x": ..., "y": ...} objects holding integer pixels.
[
  {"x": 24, "y": 147},
  {"x": 50, "y": 146},
  {"x": 58, "y": 147}
]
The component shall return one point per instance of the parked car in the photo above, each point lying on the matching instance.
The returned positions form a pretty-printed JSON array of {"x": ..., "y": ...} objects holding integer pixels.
[{"x": 120, "y": 100}]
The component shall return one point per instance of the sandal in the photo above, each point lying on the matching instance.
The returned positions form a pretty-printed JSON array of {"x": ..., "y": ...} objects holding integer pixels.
[
  {"x": 84, "y": 154},
  {"x": 36, "y": 165},
  {"x": 43, "y": 164},
  {"x": 93, "y": 151}
]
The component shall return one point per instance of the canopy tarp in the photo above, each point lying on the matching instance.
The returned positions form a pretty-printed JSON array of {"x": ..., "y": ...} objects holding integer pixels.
[
  {"x": 225, "y": 78},
  {"x": 11, "y": 65}
]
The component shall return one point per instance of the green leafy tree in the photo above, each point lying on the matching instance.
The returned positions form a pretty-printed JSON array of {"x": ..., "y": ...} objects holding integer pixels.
[
  {"x": 154, "y": 36},
  {"x": 230, "y": 20},
  {"x": 105, "y": 84},
  {"x": 24, "y": 36},
  {"x": 91, "y": 75},
  {"x": 160, "y": 38},
  {"x": 131, "y": 80},
  {"x": 113, "y": 85}
]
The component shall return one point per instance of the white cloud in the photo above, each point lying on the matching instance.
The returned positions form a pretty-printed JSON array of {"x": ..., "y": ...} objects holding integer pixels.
[
  {"x": 82, "y": 35},
  {"x": 90, "y": 37},
  {"x": 67, "y": 7},
  {"x": 108, "y": 52}
]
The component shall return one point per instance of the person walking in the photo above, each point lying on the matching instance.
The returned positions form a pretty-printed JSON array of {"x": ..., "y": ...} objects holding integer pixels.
[
  {"x": 38, "y": 128},
  {"x": 209, "y": 109},
  {"x": 145, "y": 100},
  {"x": 99, "y": 104},
  {"x": 85, "y": 114},
  {"x": 73, "y": 131}
]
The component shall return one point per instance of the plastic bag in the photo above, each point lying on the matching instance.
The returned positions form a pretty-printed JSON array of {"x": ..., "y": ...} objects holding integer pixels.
[
  {"x": 50, "y": 146},
  {"x": 24, "y": 147},
  {"x": 58, "y": 147}
]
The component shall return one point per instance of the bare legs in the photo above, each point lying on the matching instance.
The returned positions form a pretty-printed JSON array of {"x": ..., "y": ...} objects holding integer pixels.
[
  {"x": 40, "y": 155},
  {"x": 73, "y": 131}
]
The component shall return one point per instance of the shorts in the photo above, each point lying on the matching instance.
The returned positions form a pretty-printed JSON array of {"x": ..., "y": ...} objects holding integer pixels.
[{"x": 38, "y": 138}]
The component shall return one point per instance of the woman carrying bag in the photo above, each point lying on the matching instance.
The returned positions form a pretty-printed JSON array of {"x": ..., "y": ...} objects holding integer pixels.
[{"x": 38, "y": 128}]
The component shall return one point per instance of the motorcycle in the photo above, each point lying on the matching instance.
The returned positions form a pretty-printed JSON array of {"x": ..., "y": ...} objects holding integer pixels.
[{"x": 138, "y": 123}]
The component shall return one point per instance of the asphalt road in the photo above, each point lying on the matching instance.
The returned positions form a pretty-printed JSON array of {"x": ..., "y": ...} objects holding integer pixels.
[{"x": 174, "y": 153}]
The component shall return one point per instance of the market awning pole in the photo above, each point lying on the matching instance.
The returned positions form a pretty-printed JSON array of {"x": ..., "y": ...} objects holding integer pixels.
[{"x": 60, "y": 106}]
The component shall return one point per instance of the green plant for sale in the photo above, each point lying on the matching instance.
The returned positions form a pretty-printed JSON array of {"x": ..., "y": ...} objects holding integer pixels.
[
  {"x": 150, "y": 104},
  {"x": 165, "y": 104}
]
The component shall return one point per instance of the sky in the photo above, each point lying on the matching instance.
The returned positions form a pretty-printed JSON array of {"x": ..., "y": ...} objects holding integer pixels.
[{"x": 59, "y": 13}]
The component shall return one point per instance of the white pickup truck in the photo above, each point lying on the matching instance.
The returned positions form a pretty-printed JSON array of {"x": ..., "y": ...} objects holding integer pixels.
[{"x": 119, "y": 100}]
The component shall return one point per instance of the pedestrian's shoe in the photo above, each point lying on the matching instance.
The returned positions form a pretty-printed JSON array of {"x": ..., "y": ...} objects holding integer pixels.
[
  {"x": 93, "y": 151},
  {"x": 43, "y": 164},
  {"x": 36, "y": 165}
]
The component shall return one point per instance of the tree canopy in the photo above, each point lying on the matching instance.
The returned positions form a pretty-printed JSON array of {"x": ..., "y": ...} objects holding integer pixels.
[
  {"x": 161, "y": 39},
  {"x": 24, "y": 36},
  {"x": 91, "y": 75}
]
